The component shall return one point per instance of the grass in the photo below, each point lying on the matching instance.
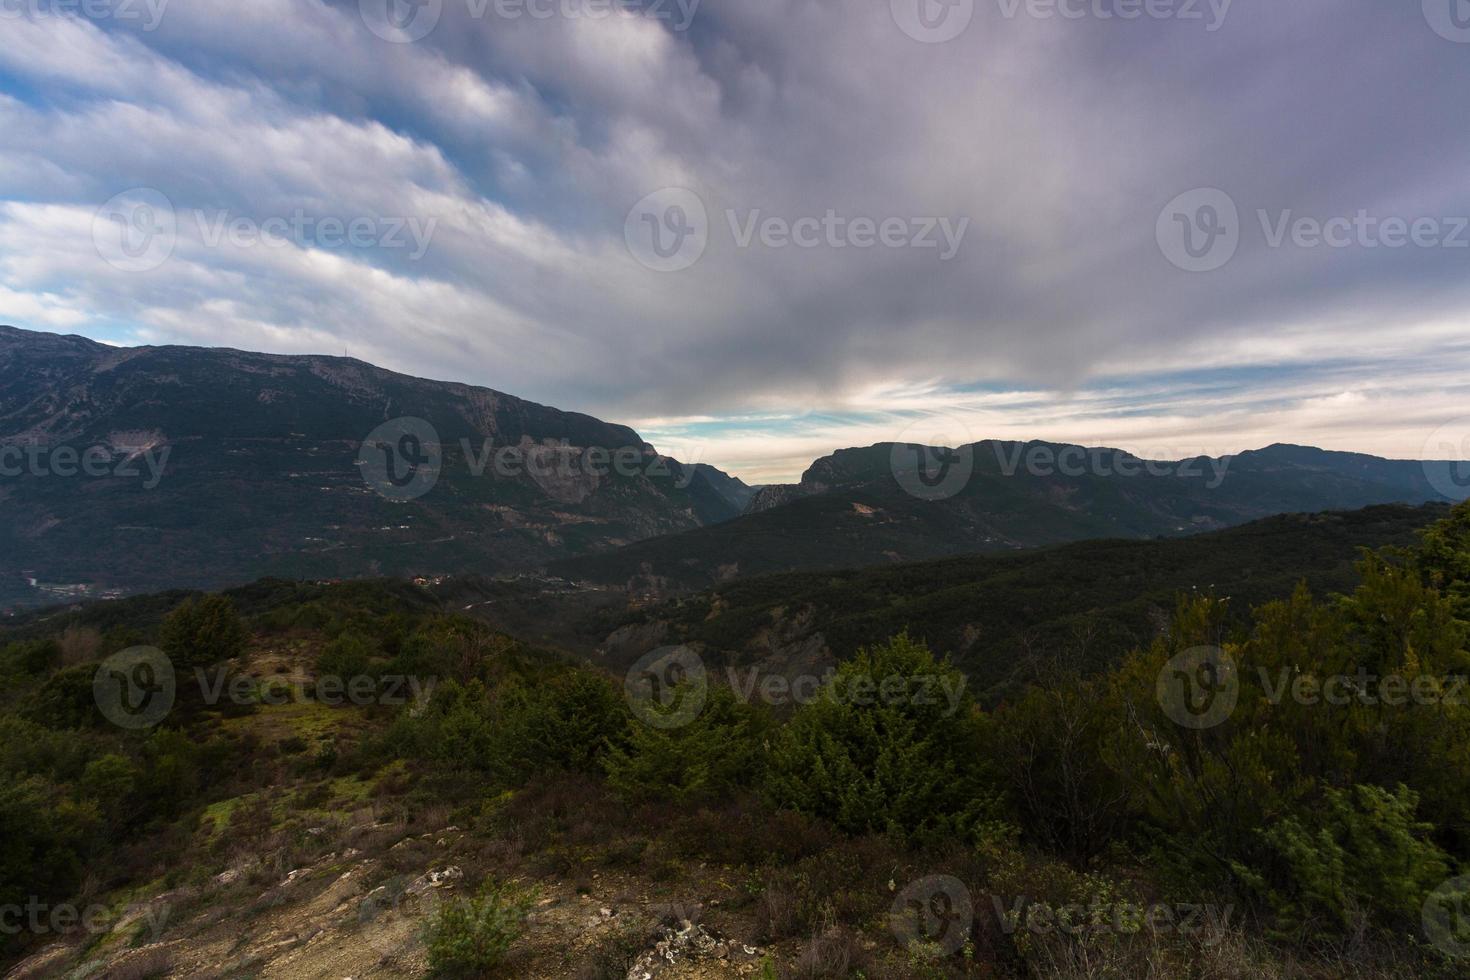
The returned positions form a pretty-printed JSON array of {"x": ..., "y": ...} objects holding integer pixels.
[
  {"x": 308, "y": 720},
  {"x": 216, "y": 816},
  {"x": 352, "y": 789}
]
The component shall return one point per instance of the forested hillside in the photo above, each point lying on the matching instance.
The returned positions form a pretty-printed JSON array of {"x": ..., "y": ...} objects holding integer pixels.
[{"x": 350, "y": 778}]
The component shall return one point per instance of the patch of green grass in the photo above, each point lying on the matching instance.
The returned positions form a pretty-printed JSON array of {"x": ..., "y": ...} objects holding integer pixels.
[
  {"x": 216, "y": 816},
  {"x": 352, "y": 789}
]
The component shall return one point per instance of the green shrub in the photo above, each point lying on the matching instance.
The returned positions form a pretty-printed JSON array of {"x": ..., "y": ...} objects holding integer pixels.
[
  {"x": 891, "y": 744},
  {"x": 708, "y": 759},
  {"x": 1048, "y": 746},
  {"x": 1444, "y": 558},
  {"x": 65, "y": 700},
  {"x": 46, "y": 840},
  {"x": 202, "y": 632},
  {"x": 469, "y": 937},
  {"x": 349, "y": 655},
  {"x": 176, "y": 767},
  {"x": 110, "y": 781},
  {"x": 30, "y": 656},
  {"x": 29, "y": 748},
  {"x": 450, "y": 647},
  {"x": 1362, "y": 860},
  {"x": 561, "y": 722},
  {"x": 1203, "y": 796}
]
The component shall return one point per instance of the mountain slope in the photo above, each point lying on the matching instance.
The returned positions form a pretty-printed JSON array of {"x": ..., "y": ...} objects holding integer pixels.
[
  {"x": 213, "y": 466},
  {"x": 870, "y": 505},
  {"x": 1004, "y": 617}
]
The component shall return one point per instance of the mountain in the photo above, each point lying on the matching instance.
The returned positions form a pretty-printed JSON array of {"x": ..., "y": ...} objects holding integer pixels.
[
  {"x": 1004, "y": 618},
  {"x": 135, "y": 469},
  {"x": 894, "y": 502},
  {"x": 130, "y": 469},
  {"x": 731, "y": 496}
]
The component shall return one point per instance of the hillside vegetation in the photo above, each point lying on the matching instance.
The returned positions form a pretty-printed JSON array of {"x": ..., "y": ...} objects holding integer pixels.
[
  {"x": 1279, "y": 792},
  {"x": 1004, "y": 617}
]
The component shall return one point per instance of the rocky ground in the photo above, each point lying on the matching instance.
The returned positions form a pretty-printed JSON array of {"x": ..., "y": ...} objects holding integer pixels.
[
  {"x": 321, "y": 878},
  {"x": 353, "y": 913}
]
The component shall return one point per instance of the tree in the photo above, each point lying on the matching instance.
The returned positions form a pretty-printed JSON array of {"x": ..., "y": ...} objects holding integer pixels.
[
  {"x": 891, "y": 744},
  {"x": 1360, "y": 859},
  {"x": 65, "y": 700},
  {"x": 349, "y": 655},
  {"x": 1048, "y": 747},
  {"x": 470, "y": 937},
  {"x": 561, "y": 723},
  {"x": 705, "y": 760},
  {"x": 1444, "y": 558},
  {"x": 109, "y": 781},
  {"x": 202, "y": 632},
  {"x": 46, "y": 838},
  {"x": 30, "y": 656}
]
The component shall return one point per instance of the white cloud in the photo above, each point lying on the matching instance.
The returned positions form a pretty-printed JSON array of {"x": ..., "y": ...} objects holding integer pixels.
[{"x": 527, "y": 141}]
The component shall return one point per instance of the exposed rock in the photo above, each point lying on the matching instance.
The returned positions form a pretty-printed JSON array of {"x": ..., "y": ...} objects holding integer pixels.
[
  {"x": 686, "y": 943},
  {"x": 434, "y": 879}
]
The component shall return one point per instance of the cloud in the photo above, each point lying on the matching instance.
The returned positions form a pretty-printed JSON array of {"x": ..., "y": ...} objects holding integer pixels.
[{"x": 526, "y": 140}]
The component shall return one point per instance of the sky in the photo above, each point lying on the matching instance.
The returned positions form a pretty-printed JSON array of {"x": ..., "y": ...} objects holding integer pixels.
[{"x": 761, "y": 230}]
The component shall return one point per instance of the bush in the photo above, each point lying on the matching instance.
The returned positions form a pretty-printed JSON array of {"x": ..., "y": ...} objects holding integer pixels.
[
  {"x": 1444, "y": 558},
  {"x": 110, "y": 781},
  {"x": 892, "y": 744},
  {"x": 1048, "y": 745},
  {"x": 30, "y": 656},
  {"x": 562, "y": 723},
  {"x": 46, "y": 840},
  {"x": 451, "y": 648},
  {"x": 613, "y": 956},
  {"x": 705, "y": 760},
  {"x": 65, "y": 700},
  {"x": 348, "y": 656},
  {"x": 1362, "y": 860},
  {"x": 469, "y": 937},
  {"x": 202, "y": 632}
]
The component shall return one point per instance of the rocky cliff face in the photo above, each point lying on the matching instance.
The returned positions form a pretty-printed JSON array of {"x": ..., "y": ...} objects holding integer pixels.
[{"x": 775, "y": 495}]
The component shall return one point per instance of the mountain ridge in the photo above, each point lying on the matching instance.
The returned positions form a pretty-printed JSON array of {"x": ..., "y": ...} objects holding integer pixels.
[
  {"x": 290, "y": 440},
  {"x": 871, "y": 505},
  {"x": 281, "y": 438}
]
